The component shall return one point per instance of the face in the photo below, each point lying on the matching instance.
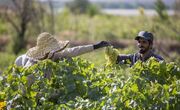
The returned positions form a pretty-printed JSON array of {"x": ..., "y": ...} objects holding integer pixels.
[{"x": 143, "y": 45}]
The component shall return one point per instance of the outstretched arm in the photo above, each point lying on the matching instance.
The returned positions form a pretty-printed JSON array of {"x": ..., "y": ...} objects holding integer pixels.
[{"x": 79, "y": 50}]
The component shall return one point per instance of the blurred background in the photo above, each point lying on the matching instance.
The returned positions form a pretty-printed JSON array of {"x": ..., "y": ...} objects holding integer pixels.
[{"x": 88, "y": 22}]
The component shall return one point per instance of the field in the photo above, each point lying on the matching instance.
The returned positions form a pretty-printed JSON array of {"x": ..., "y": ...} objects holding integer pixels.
[
  {"x": 120, "y": 30},
  {"x": 85, "y": 82},
  {"x": 78, "y": 84}
]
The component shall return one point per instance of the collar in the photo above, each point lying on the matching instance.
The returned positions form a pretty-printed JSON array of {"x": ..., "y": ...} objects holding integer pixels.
[{"x": 146, "y": 56}]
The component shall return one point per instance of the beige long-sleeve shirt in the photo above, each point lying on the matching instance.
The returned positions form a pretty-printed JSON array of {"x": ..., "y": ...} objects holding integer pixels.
[{"x": 26, "y": 61}]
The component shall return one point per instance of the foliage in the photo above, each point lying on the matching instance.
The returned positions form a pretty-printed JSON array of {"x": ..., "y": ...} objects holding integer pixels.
[
  {"x": 93, "y": 10},
  {"x": 19, "y": 18},
  {"x": 69, "y": 79},
  {"x": 101, "y": 27},
  {"x": 161, "y": 9},
  {"x": 83, "y": 7},
  {"x": 78, "y": 6},
  {"x": 3, "y": 27},
  {"x": 20, "y": 15},
  {"x": 77, "y": 84},
  {"x": 6, "y": 59}
]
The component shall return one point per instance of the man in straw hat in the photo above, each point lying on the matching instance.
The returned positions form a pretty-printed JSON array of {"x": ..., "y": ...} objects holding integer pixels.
[
  {"x": 145, "y": 43},
  {"x": 50, "y": 48}
]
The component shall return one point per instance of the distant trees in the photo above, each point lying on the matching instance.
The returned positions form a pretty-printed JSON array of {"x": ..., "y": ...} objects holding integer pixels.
[
  {"x": 82, "y": 7},
  {"x": 21, "y": 14},
  {"x": 161, "y": 9},
  {"x": 52, "y": 19},
  {"x": 78, "y": 6}
]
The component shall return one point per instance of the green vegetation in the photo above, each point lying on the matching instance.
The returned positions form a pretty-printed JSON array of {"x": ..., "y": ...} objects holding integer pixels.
[
  {"x": 3, "y": 27},
  {"x": 83, "y": 7},
  {"x": 77, "y": 84},
  {"x": 92, "y": 84},
  {"x": 110, "y": 27},
  {"x": 161, "y": 9},
  {"x": 84, "y": 28},
  {"x": 6, "y": 59},
  {"x": 78, "y": 6}
]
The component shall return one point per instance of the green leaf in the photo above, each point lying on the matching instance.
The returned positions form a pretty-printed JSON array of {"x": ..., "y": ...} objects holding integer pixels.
[{"x": 134, "y": 88}]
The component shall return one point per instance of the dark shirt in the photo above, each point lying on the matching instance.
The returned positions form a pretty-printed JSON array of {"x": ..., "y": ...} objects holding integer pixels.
[{"x": 133, "y": 58}]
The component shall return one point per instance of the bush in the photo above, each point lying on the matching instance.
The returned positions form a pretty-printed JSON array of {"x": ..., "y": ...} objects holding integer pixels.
[
  {"x": 93, "y": 10},
  {"x": 6, "y": 60},
  {"x": 76, "y": 84}
]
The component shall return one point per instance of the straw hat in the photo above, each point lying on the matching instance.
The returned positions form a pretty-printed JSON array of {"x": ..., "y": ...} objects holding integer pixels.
[{"x": 46, "y": 43}]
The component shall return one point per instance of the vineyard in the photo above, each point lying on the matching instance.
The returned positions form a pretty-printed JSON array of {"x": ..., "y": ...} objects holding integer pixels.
[
  {"x": 94, "y": 80},
  {"x": 77, "y": 84}
]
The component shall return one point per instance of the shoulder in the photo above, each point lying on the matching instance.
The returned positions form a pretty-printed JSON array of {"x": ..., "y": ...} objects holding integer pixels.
[
  {"x": 20, "y": 57},
  {"x": 158, "y": 57},
  {"x": 19, "y": 60}
]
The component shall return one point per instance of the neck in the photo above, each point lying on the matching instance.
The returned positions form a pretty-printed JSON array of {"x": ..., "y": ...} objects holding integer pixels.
[{"x": 145, "y": 55}]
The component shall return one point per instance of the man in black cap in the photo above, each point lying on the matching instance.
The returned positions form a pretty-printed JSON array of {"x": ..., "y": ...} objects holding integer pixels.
[{"x": 144, "y": 43}]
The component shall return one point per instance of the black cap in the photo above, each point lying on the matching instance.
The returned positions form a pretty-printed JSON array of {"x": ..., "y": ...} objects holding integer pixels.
[{"x": 145, "y": 35}]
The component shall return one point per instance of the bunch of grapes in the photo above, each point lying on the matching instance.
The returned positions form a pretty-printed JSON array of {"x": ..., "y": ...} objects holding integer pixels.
[{"x": 111, "y": 55}]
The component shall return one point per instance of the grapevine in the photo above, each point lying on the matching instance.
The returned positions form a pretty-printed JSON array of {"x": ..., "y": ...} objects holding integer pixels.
[{"x": 77, "y": 84}]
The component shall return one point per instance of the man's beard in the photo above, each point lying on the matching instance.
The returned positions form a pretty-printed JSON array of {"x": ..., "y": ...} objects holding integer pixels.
[{"x": 143, "y": 50}]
